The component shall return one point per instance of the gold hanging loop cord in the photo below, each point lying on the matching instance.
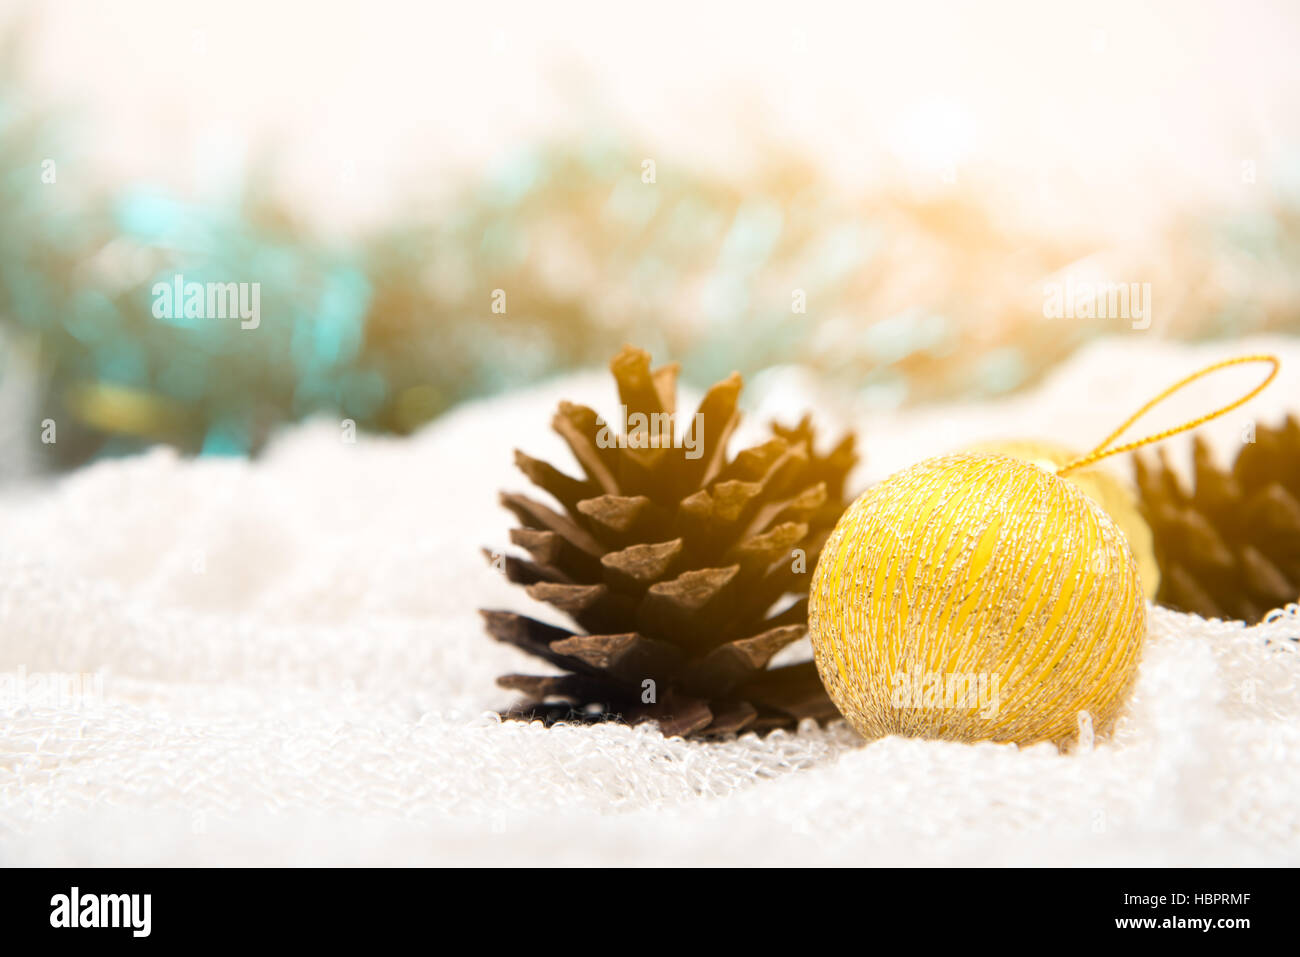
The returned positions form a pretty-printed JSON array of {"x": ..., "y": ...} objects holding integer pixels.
[{"x": 1102, "y": 451}]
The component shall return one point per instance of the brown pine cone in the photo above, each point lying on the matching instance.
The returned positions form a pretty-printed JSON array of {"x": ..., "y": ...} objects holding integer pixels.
[
  {"x": 673, "y": 562},
  {"x": 1229, "y": 547}
]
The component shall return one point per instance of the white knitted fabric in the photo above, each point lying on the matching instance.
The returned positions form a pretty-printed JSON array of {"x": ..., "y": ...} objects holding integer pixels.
[{"x": 293, "y": 671}]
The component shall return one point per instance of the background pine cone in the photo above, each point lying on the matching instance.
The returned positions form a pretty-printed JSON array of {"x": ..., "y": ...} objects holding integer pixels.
[
  {"x": 672, "y": 565},
  {"x": 1230, "y": 548}
]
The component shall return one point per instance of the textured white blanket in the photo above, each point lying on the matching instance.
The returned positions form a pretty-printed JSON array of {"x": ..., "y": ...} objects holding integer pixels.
[{"x": 288, "y": 668}]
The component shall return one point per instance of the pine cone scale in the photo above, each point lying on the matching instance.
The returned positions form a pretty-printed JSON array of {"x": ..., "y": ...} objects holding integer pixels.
[
  {"x": 631, "y": 657},
  {"x": 580, "y": 429},
  {"x": 532, "y": 636},
  {"x": 534, "y": 514},
  {"x": 637, "y": 567},
  {"x": 728, "y": 666}
]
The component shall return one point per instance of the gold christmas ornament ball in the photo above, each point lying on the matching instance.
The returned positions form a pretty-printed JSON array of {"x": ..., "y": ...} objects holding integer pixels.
[
  {"x": 1112, "y": 493},
  {"x": 977, "y": 597}
]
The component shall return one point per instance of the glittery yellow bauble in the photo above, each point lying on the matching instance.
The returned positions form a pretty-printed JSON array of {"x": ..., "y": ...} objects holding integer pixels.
[
  {"x": 1103, "y": 487},
  {"x": 977, "y": 597}
]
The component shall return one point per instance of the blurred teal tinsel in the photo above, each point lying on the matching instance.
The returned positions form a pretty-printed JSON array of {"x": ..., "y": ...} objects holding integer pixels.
[{"x": 911, "y": 298}]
